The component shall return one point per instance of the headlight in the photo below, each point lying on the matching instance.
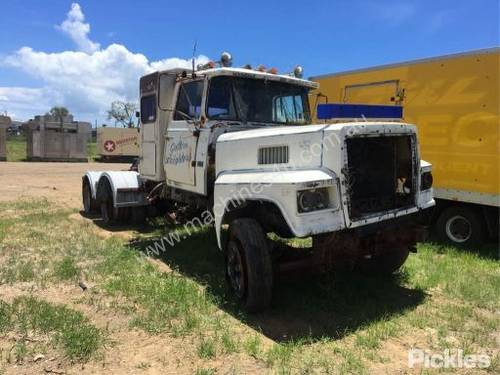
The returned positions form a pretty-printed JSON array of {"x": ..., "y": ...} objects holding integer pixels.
[
  {"x": 426, "y": 181},
  {"x": 312, "y": 200}
]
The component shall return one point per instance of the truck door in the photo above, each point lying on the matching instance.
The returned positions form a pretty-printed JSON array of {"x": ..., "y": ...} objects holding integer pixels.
[
  {"x": 383, "y": 92},
  {"x": 148, "y": 135},
  {"x": 185, "y": 143}
]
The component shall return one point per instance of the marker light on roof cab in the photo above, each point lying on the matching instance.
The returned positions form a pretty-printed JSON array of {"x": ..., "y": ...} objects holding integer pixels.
[
  {"x": 208, "y": 65},
  {"x": 298, "y": 72},
  {"x": 330, "y": 111},
  {"x": 226, "y": 60}
]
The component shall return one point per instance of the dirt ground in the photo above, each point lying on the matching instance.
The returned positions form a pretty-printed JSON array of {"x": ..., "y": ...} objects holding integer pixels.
[
  {"x": 134, "y": 351},
  {"x": 60, "y": 182}
]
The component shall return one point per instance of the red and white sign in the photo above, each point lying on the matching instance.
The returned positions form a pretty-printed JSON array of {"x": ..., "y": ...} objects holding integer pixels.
[{"x": 109, "y": 146}]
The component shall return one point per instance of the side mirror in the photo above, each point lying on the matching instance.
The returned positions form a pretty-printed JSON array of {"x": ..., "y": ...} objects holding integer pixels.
[{"x": 137, "y": 114}]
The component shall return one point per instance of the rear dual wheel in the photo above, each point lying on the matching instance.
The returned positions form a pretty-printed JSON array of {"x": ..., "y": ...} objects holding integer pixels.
[
  {"x": 109, "y": 213},
  {"x": 89, "y": 203}
]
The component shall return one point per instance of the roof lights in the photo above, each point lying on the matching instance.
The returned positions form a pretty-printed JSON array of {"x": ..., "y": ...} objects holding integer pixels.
[
  {"x": 226, "y": 60},
  {"x": 208, "y": 65},
  {"x": 298, "y": 72}
]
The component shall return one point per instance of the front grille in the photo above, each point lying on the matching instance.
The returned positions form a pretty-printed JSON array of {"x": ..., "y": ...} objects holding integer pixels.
[
  {"x": 273, "y": 155},
  {"x": 380, "y": 174}
]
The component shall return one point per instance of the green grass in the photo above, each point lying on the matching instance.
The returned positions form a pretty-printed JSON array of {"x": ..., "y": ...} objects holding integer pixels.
[
  {"x": 92, "y": 151},
  {"x": 443, "y": 298},
  {"x": 67, "y": 328},
  {"x": 205, "y": 371},
  {"x": 207, "y": 348},
  {"x": 66, "y": 269},
  {"x": 16, "y": 148}
]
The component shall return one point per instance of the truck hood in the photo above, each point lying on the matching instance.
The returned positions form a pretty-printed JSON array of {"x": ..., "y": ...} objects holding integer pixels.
[
  {"x": 295, "y": 147},
  {"x": 270, "y": 132}
]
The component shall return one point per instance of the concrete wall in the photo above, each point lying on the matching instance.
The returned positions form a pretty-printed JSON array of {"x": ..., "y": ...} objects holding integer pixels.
[
  {"x": 4, "y": 124},
  {"x": 48, "y": 140}
]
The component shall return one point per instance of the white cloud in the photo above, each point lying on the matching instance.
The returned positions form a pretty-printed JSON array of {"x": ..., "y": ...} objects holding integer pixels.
[
  {"x": 78, "y": 30},
  {"x": 85, "y": 81},
  {"x": 20, "y": 100}
]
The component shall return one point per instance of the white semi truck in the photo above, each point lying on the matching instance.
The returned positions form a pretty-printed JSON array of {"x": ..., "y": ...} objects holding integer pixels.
[{"x": 236, "y": 146}]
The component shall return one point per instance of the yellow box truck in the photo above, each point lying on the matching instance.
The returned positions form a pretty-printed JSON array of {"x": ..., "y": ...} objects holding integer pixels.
[
  {"x": 117, "y": 144},
  {"x": 454, "y": 101}
]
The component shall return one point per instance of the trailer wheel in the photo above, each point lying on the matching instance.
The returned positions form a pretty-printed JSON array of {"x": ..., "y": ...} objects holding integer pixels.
[
  {"x": 460, "y": 225},
  {"x": 384, "y": 263},
  {"x": 248, "y": 264},
  {"x": 89, "y": 204}
]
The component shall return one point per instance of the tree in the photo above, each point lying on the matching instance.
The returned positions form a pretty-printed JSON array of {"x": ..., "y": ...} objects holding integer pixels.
[
  {"x": 59, "y": 113},
  {"x": 123, "y": 113}
]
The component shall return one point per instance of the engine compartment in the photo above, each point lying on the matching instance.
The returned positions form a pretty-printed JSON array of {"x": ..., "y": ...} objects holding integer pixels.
[{"x": 380, "y": 174}]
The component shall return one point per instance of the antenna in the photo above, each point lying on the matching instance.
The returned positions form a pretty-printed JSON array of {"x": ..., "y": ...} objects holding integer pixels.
[{"x": 192, "y": 58}]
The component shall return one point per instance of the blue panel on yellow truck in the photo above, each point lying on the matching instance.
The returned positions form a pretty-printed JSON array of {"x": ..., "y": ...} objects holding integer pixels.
[{"x": 333, "y": 110}]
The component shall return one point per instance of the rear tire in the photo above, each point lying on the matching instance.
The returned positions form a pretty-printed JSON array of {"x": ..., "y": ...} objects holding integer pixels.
[
  {"x": 106, "y": 204},
  {"x": 138, "y": 214},
  {"x": 89, "y": 204},
  {"x": 109, "y": 213},
  {"x": 248, "y": 264},
  {"x": 460, "y": 225}
]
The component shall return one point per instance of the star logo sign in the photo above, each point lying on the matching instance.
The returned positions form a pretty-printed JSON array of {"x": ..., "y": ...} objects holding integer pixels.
[{"x": 109, "y": 146}]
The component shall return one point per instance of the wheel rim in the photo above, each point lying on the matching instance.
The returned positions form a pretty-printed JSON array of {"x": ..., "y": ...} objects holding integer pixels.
[
  {"x": 234, "y": 269},
  {"x": 458, "y": 229},
  {"x": 86, "y": 198}
]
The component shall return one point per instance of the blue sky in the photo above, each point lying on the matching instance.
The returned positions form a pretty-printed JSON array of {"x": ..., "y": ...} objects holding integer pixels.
[{"x": 73, "y": 64}]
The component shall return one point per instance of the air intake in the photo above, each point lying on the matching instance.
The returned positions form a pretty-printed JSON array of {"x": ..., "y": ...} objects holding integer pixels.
[{"x": 273, "y": 155}]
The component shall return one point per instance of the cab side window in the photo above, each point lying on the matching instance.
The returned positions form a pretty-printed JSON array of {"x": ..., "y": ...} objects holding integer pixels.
[
  {"x": 148, "y": 109},
  {"x": 189, "y": 100}
]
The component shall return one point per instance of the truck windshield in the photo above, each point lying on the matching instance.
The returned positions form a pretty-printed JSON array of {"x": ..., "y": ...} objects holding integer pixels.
[{"x": 257, "y": 100}]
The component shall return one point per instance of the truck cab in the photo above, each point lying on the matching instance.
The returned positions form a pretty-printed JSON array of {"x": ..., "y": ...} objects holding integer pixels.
[{"x": 236, "y": 148}]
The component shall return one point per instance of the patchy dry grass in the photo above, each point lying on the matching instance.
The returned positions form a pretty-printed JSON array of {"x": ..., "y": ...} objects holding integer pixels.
[
  {"x": 65, "y": 327},
  {"x": 444, "y": 298}
]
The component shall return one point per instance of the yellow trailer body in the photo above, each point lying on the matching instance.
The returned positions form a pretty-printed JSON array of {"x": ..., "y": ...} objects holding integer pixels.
[
  {"x": 117, "y": 142},
  {"x": 454, "y": 101}
]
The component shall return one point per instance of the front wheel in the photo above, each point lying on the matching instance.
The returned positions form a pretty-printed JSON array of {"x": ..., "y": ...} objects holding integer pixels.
[{"x": 248, "y": 264}]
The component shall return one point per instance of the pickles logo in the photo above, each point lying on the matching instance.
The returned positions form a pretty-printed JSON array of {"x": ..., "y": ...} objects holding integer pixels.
[{"x": 109, "y": 146}]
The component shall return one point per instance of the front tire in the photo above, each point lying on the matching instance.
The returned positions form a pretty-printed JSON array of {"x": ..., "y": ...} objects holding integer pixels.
[
  {"x": 460, "y": 225},
  {"x": 248, "y": 264}
]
